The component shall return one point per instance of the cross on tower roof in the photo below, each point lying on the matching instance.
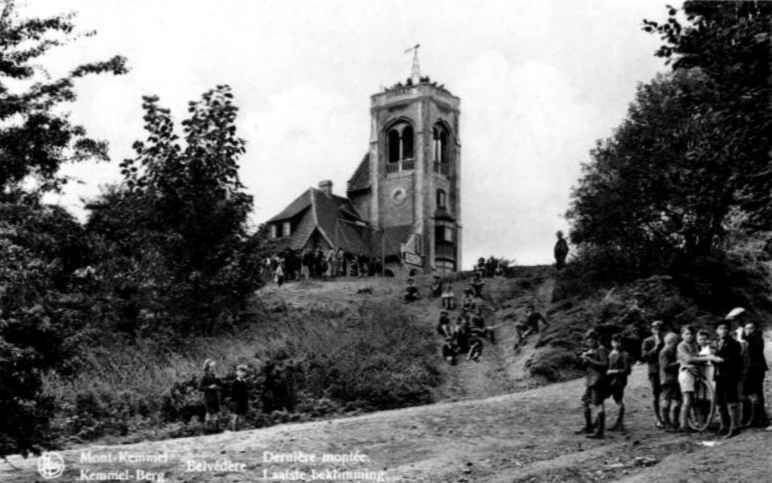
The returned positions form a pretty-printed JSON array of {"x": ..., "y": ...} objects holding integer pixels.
[{"x": 415, "y": 71}]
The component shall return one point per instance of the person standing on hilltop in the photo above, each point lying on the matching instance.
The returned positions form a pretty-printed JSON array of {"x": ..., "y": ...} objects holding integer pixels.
[
  {"x": 306, "y": 264},
  {"x": 650, "y": 350},
  {"x": 561, "y": 251}
]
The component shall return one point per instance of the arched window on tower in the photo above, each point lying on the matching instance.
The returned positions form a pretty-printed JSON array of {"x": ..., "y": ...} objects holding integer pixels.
[
  {"x": 393, "y": 141},
  {"x": 441, "y": 149},
  {"x": 435, "y": 145},
  {"x": 444, "y": 158},
  {"x": 441, "y": 200},
  {"x": 407, "y": 142},
  {"x": 400, "y": 147}
]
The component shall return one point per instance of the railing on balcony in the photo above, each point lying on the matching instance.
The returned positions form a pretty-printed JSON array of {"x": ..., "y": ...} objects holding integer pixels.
[
  {"x": 445, "y": 251},
  {"x": 443, "y": 168},
  {"x": 402, "y": 165}
]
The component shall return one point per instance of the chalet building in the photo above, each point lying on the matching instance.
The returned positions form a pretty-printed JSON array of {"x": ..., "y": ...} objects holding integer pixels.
[{"x": 403, "y": 202}]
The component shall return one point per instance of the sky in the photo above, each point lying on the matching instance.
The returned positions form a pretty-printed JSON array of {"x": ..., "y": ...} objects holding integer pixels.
[{"x": 539, "y": 82}]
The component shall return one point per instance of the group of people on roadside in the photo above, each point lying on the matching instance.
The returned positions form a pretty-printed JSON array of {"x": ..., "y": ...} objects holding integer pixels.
[
  {"x": 212, "y": 387},
  {"x": 290, "y": 265},
  {"x": 731, "y": 365}
]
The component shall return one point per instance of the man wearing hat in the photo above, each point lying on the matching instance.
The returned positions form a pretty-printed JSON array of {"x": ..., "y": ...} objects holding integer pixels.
[
  {"x": 728, "y": 372},
  {"x": 650, "y": 355}
]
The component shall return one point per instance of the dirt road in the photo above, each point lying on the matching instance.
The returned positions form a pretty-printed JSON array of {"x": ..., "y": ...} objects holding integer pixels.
[{"x": 525, "y": 436}]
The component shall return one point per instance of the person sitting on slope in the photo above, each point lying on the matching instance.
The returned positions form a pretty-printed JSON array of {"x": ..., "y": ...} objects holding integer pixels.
[
  {"x": 411, "y": 291},
  {"x": 444, "y": 327},
  {"x": 533, "y": 323}
]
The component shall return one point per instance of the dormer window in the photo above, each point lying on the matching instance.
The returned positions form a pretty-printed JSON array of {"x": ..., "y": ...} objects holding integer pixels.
[{"x": 400, "y": 142}]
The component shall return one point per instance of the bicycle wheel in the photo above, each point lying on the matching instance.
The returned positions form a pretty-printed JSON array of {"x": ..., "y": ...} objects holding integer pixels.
[{"x": 703, "y": 407}]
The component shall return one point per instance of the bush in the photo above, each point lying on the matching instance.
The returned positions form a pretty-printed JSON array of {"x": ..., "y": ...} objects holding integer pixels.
[
  {"x": 311, "y": 362},
  {"x": 380, "y": 360}
]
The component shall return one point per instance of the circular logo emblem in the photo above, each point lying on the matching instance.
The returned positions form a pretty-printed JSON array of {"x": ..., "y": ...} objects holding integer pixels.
[
  {"x": 50, "y": 465},
  {"x": 398, "y": 196}
]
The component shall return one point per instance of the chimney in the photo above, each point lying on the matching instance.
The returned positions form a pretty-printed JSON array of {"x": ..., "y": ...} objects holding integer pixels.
[{"x": 326, "y": 186}]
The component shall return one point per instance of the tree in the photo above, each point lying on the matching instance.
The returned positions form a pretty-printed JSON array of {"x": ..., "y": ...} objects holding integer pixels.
[
  {"x": 36, "y": 137},
  {"x": 40, "y": 246},
  {"x": 730, "y": 42},
  {"x": 193, "y": 209},
  {"x": 693, "y": 147}
]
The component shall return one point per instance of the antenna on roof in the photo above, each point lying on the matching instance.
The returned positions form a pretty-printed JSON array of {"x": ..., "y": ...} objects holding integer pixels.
[{"x": 415, "y": 71}]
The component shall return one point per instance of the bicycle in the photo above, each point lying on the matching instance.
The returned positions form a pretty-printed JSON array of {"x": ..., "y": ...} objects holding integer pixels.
[{"x": 704, "y": 405}]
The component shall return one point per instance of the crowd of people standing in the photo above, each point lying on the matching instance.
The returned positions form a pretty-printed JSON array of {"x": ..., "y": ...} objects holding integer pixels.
[
  {"x": 292, "y": 265},
  {"x": 684, "y": 373}
]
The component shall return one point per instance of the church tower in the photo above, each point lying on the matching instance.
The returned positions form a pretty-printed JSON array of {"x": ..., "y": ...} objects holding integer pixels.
[{"x": 414, "y": 168}]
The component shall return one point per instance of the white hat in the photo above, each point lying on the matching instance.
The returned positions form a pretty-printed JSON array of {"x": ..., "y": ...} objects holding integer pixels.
[{"x": 734, "y": 313}]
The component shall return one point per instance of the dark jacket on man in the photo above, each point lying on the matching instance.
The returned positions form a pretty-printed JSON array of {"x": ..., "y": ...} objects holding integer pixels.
[
  {"x": 756, "y": 361},
  {"x": 650, "y": 350},
  {"x": 597, "y": 367},
  {"x": 732, "y": 365}
]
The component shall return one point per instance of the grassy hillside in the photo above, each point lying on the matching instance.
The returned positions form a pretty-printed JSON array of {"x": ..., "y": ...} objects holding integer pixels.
[
  {"x": 315, "y": 350},
  {"x": 324, "y": 349}
]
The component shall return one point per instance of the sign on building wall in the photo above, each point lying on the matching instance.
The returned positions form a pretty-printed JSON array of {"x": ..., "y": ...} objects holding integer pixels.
[
  {"x": 411, "y": 251},
  {"x": 412, "y": 259}
]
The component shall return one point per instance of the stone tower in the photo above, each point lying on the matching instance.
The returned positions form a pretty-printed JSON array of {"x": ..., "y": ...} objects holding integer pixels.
[{"x": 415, "y": 175}]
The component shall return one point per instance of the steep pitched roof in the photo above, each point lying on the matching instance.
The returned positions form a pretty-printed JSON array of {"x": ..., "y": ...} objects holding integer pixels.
[
  {"x": 293, "y": 209},
  {"x": 360, "y": 180},
  {"x": 333, "y": 216}
]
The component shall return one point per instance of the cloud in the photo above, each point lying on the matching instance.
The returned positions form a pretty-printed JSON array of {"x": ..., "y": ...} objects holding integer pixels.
[
  {"x": 525, "y": 132},
  {"x": 538, "y": 81}
]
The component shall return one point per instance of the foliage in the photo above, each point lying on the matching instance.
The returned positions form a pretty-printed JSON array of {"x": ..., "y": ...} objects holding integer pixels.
[
  {"x": 42, "y": 307},
  {"x": 693, "y": 147},
  {"x": 304, "y": 363},
  {"x": 184, "y": 259},
  {"x": 381, "y": 360},
  {"x": 37, "y": 137},
  {"x": 41, "y": 314}
]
